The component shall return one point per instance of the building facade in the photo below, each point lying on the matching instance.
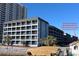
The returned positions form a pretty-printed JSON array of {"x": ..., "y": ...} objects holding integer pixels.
[
  {"x": 59, "y": 34},
  {"x": 63, "y": 39},
  {"x": 74, "y": 38},
  {"x": 32, "y": 31},
  {"x": 10, "y": 11},
  {"x": 28, "y": 31}
]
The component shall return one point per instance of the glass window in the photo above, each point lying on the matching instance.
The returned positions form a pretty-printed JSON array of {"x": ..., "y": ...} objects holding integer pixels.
[
  {"x": 28, "y": 27},
  {"x": 23, "y": 23},
  {"x": 34, "y": 32},
  {"x": 34, "y": 42},
  {"x": 34, "y": 27},
  {"x": 22, "y": 28},
  {"x": 9, "y": 29},
  {"x": 28, "y": 32},
  {"x": 5, "y": 25},
  {"x": 17, "y": 42},
  {"x": 5, "y": 33},
  {"x": 9, "y": 33},
  {"x": 13, "y": 37},
  {"x": 28, "y": 37},
  {"x": 22, "y": 32},
  {"x": 13, "y": 33},
  {"x": 75, "y": 47},
  {"x": 28, "y": 42},
  {"x": 17, "y": 33},
  {"x": 28, "y": 22},
  {"x": 13, "y": 28},
  {"x": 18, "y": 23},
  {"x": 9, "y": 24},
  {"x": 18, "y": 28},
  {"x": 5, "y": 29},
  {"x": 22, "y": 37},
  {"x": 13, "y": 24},
  {"x": 34, "y": 37},
  {"x": 34, "y": 21},
  {"x": 17, "y": 37}
]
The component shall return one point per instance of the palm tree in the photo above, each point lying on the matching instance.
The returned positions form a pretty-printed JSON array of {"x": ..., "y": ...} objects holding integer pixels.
[
  {"x": 45, "y": 41},
  {"x": 7, "y": 40},
  {"x": 50, "y": 40}
]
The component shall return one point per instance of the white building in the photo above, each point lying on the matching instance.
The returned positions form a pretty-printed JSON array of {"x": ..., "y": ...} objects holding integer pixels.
[
  {"x": 74, "y": 48},
  {"x": 30, "y": 31}
]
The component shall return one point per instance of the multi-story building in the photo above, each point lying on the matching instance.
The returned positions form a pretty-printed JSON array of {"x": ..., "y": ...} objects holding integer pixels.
[
  {"x": 30, "y": 31},
  {"x": 62, "y": 38},
  {"x": 74, "y": 38},
  {"x": 10, "y": 11},
  {"x": 67, "y": 38},
  {"x": 59, "y": 34}
]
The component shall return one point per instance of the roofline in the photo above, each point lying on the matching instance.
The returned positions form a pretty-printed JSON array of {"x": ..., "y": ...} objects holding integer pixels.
[
  {"x": 38, "y": 18},
  {"x": 42, "y": 20},
  {"x": 56, "y": 28}
]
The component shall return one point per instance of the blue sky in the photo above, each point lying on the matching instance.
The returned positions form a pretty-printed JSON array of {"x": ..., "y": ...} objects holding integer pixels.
[{"x": 55, "y": 13}]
